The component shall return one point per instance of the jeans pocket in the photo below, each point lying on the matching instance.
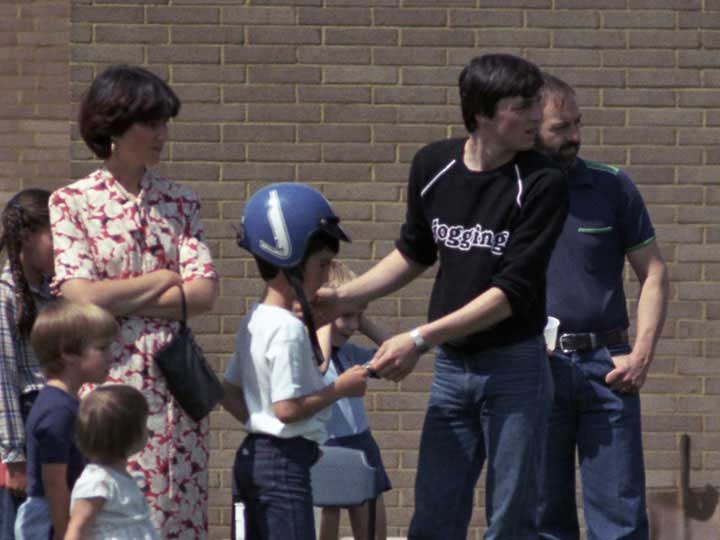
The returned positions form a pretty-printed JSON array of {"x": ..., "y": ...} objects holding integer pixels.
[
  {"x": 598, "y": 363},
  {"x": 449, "y": 381}
]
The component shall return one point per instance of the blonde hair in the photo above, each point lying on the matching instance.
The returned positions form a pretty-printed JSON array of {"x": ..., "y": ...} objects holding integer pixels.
[
  {"x": 64, "y": 326},
  {"x": 339, "y": 274},
  {"x": 111, "y": 422}
]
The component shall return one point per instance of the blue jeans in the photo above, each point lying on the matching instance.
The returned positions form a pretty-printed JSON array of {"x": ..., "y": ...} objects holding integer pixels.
[
  {"x": 33, "y": 520},
  {"x": 605, "y": 428},
  {"x": 272, "y": 477},
  {"x": 490, "y": 405}
]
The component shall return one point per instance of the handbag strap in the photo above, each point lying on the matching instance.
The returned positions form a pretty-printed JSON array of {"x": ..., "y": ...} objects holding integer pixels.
[{"x": 183, "y": 302}]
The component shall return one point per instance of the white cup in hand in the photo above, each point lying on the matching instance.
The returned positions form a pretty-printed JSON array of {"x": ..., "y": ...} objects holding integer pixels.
[{"x": 551, "y": 332}]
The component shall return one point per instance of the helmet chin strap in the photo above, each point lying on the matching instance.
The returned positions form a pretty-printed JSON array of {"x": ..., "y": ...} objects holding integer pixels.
[{"x": 295, "y": 278}]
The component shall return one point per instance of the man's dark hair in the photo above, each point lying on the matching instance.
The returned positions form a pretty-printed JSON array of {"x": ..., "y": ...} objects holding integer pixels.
[
  {"x": 119, "y": 97},
  {"x": 318, "y": 241},
  {"x": 554, "y": 86},
  {"x": 489, "y": 78}
]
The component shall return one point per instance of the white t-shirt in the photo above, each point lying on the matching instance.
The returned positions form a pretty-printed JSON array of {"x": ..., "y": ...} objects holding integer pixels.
[
  {"x": 273, "y": 361},
  {"x": 125, "y": 514}
]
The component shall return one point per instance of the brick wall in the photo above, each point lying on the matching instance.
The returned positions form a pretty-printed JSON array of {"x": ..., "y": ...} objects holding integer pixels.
[
  {"x": 34, "y": 106},
  {"x": 341, "y": 93}
]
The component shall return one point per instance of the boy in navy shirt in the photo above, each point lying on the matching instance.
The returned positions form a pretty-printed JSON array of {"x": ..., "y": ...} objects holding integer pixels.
[{"x": 72, "y": 342}]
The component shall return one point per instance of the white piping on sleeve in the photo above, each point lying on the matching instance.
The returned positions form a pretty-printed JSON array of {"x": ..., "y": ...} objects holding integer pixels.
[
  {"x": 518, "y": 199},
  {"x": 436, "y": 178}
]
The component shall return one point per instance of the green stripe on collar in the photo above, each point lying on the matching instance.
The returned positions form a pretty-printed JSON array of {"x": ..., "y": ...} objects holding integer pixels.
[
  {"x": 594, "y": 230},
  {"x": 602, "y": 167}
]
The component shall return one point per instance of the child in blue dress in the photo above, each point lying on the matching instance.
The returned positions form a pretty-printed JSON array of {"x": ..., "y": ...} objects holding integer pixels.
[{"x": 348, "y": 426}]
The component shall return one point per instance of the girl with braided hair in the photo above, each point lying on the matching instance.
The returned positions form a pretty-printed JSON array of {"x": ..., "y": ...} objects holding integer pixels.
[{"x": 26, "y": 241}]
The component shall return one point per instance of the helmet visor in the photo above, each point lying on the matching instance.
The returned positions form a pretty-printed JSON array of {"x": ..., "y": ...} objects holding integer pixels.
[{"x": 332, "y": 226}]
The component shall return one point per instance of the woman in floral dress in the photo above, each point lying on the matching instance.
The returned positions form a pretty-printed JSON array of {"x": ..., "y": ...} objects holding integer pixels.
[{"x": 127, "y": 240}]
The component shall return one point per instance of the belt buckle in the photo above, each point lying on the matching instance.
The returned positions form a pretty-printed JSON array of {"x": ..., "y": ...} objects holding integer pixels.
[{"x": 561, "y": 341}]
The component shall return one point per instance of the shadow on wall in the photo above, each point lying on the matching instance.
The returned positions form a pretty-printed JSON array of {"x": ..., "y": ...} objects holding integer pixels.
[{"x": 688, "y": 513}]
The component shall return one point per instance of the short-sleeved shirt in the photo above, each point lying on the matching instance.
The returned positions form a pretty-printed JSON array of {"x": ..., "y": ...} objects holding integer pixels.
[
  {"x": 274, "y": 361},
  {"x": 348, "y": 414},
  {"x": 125, "y": 514},
  {"x": 494, "y": 228},
  {"x": 607, "y": 220},
  {"x": 50, "y": 433}
]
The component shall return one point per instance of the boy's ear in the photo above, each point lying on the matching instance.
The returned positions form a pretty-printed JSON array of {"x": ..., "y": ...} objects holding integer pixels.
[{"x": 68, "y": 358}]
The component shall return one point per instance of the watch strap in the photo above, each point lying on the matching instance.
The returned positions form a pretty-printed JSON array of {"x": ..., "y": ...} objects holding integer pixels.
[{"x": 420, "y": 343}]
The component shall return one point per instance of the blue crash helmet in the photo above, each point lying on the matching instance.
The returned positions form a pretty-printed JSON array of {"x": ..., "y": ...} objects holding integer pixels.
[{"x": 279, "y": 220}]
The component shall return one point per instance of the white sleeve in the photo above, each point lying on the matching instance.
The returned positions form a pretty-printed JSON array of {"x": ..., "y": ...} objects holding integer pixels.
[
  {"x": 94, "y": 482},
  {"x": 233, "y": 371},
  {"x": 291, "y": 362}
]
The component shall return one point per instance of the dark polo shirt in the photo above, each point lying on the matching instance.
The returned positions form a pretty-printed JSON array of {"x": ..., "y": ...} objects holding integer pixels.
[{"x": 607, "y": 219}]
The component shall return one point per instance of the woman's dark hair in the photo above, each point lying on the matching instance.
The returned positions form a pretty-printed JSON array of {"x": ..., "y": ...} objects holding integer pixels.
[
  {"x": 26, "y": 212},
  {"x": 119, "y": 97},
  {"x": 110, "y": 423},
  {"x": 489, "y": 78}
]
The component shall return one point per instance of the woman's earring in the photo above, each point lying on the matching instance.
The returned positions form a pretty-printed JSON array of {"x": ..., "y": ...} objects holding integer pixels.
[{"x": 113, "y": 147}]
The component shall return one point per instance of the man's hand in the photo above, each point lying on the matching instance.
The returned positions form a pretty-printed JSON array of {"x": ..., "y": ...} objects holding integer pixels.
[
  {"x": 629, "y": 374},
  {"x": 326, "y": 306},
  {"x": 395, "y": 358},
  {"x": 15, "y": 481}
]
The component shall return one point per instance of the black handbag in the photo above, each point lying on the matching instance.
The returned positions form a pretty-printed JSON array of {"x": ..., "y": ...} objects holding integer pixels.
[{"x": 189, "y": 377}]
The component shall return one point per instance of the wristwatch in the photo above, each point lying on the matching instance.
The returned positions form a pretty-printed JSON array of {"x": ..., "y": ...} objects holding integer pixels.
[{"x": 420, "y": 344}]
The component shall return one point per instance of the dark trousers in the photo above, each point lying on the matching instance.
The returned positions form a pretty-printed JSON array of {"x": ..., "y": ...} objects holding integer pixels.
[
  {"x": 8, "y": 510},
  {"x": 8, "y": 502},
  {"x": 272, "y": 477}
]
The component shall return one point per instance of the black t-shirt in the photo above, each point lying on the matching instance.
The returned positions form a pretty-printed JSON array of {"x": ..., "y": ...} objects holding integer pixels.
[{"x": 489, "y": 229}]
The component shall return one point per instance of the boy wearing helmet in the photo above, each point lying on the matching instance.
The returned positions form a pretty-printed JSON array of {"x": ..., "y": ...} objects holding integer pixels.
[{"x": 273, "y": 383}]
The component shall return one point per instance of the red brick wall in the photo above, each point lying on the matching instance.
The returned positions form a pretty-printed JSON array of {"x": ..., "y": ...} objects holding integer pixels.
[{"x": 340, "y": 93}]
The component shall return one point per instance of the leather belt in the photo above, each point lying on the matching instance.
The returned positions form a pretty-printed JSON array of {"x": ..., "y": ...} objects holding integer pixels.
[{"x": 589, "y": 341}]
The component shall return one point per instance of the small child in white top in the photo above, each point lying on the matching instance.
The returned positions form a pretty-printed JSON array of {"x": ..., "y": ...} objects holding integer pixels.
[{"x": 106, "y": 503}]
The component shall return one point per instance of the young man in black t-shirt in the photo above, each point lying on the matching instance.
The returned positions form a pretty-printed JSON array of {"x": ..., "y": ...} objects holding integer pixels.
[{"x": 490, "y": 209}]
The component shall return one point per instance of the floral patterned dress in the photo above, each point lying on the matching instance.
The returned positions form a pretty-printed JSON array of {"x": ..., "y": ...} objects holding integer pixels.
[{"x": 100, "y": 231}]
